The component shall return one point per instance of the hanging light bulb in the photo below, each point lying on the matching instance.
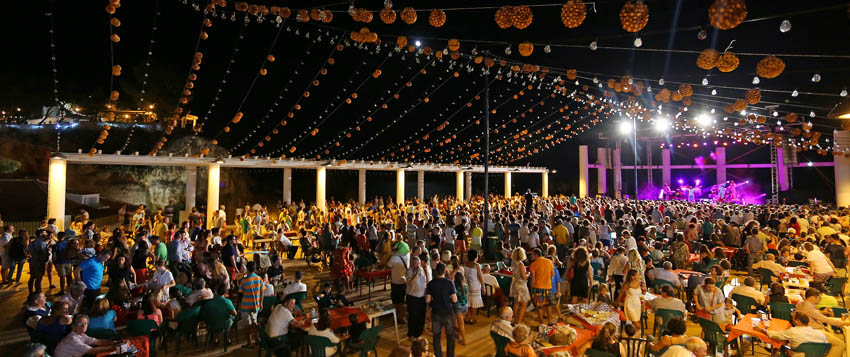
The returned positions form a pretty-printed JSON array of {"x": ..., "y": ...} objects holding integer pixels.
[
  {"x": 795, "y": 93},
  {"x": 756, "y": 80},
  {"x": 702, "y": 34},
  {"x": 843, "y": 92},
  {"x": 595, "y": 80},
  {"x": 593, "y": 46},
  {"x": 714, "y": 92},
  {"x": 705, "y": 81},
  {"x": 816, "y": 77},
  {"x": 785, "y": 26},
  {"x": 712, "y": 110},
  {"x": 638, "y": 42},
  {"x": 661, "y": 82},
  {"x": 775, "y": 113},
  {"x": 508, "y": 50},
  {"x": 547, "y": 49},
  {"x": 812, "y": 113}
]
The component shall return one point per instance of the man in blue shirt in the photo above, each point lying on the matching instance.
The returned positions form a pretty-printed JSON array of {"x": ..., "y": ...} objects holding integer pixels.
[
  {"x": 63, "y": 266},
  {"x": 38, "y": 259},
  {"x": 91, "y": 272}
]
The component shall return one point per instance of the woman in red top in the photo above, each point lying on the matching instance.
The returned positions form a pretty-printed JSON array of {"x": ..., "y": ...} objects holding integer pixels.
[{"x": 343, "y": 267}]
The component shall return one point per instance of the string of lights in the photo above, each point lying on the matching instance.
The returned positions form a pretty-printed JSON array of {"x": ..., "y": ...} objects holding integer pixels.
[
  {"x": 306, "y": 94},
  {"x": 434, "y": 88},
  {"x": 348, "y": 99},
  {"x": 145, "y": 76}
]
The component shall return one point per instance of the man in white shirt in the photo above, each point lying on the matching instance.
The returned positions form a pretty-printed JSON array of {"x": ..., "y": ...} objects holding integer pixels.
[
  {"x": 74, "y": 297},
  {"x": 822, "y": 268},
  {"x": 492, "y": 285},
  {"x": 523, "y": 234},
  {"x": 398, "y": 282},
  {"x": 615, "y": 269},
  {"x": 77, "y": 343},
  {"x": 280, "y": 319},
  {"x": 417, "y": 280},
  {"x": 770, "y": 264},
  {"x": 749, "y": 290},
  {"x": 822, "y": 322},
  {"x": 631, "y": 243},
  {"x": 533, "y": 238},
  {"x": 800, "y": 333},
  {"x": 216, "y": 239},
  {"x": 162, "y": 277},
  {"x": 665, "y": 273},
  {"x": 295, "y": 287},
  {"x": 5, "y": 238}
]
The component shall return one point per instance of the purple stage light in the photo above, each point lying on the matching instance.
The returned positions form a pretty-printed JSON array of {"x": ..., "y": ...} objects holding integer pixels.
[
  {"x": 681, "y": 182},
  {"x": 698, "y": 182}
]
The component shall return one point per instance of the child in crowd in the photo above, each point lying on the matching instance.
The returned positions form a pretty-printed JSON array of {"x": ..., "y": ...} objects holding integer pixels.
[
  {"x": 604, "y": 295},
  {"x": 729, "y": 313}
]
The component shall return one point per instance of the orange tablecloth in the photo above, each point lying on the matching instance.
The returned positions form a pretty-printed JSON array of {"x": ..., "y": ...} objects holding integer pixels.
[
  {"x": 582, "y": 336},
  {"x": 139, "y": 342},
  {"x": 730, "y": 252},
  {"x": 693, "y": 258},
  {"x": 372, "y": 274},
  {"x": 745, "y": 327},
  {"x": 339, "y": 317}
]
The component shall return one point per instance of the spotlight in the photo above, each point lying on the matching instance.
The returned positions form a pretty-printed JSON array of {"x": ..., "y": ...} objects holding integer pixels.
[
  {"x": 697, "y": 181},
  {"x": 704, "y": 120},
  {"x": 681, "y": 182},
  {"x": 625, "y": 127},
  {"x": 58, "y": 156},
  {"x": 662, "y": 125},
  {"x": 810, "y": 164},
  {"x": 219, "y": 161}
]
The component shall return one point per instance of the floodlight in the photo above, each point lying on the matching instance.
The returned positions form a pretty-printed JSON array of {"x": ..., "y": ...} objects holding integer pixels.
[
  {"x": 704, "y": 120},
  {"x": 662, "y": 125},
  {"x": 625, "y": 127}
]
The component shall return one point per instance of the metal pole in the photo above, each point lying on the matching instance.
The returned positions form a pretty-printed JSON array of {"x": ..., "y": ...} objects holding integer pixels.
[
  {"x": 634, "y": 147},
  {"x": 486, "y": 150}
]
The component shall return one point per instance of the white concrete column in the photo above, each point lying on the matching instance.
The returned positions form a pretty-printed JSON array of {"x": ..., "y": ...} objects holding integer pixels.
[
  {"x": 361, "y": 186},
  {"x": 507, "y": 184},
  {"x": 287, "y": 185},
  {"x": 665, "y": 166},
  {"x": 420, "y": 186},
  {"x": 213, "y": 185},
  {"x": 56, "y": 182},
  {"x": 618, "y": 173},
  {"x": 544, "y": 186},
  {"x": 582, "y": 171},
  {"x": 601, "y": 176},
  {"x": 459, "y": 185},
  {"x": 191, "y": 187},
  {"x": 782, "y": 170},
  {"x": 720, "y": 153},
  {"x": 467, "y": 185},
  {"x": 841, "y": 139},
  {"x": 399, "y": 186},
  {"x": 321, "y": 176}
]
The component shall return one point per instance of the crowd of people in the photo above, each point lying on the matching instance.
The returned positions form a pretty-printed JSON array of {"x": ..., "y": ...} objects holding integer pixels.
[{"x": 442, "y": 255}]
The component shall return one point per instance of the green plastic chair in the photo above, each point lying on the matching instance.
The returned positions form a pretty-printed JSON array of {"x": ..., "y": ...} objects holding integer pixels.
[
  {"x": 271, "y": 345},
  {"x": 144, "y": 328},
  {"x": 658, "y": 283},
  {"x": 500, "y": 342},
  {"x": 597, "y": 353},
  {"x": 317, "y": 346},
  {"x": 505, "y": 285},
  {"x": 836, "y": 288},
  {"x": 665, "y": 315},
  {"x": 765, "y": 277},
  {"x": 299, "y": 297},
  {"x": 215, "y": 325},
  {"x": 635, "y": 347},
  {"x": 187, "y": 325},
  {"x": 368, "y": 342},
  {"x": 813, "y": 349},
  {"x": 269, "y": 302},
  {"x": 103, "y": 334},
  {"x": 714, "y": 335},
  {"x": 598, "y": 269},
  {"x": 781, "y": 310},
  {"x": 837, "y": 311},
  {"x": 745, "y": 304}
]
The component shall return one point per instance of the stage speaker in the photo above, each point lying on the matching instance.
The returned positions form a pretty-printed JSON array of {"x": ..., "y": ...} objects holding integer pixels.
[{"x": 789, "y": 155}]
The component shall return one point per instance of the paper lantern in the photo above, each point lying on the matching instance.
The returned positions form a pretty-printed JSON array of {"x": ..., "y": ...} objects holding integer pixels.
[
  {"x": 686, "y": 90},
  {"x": 388, "y": 16},
  {"x": 237, "y": 118},
  {"x": 753, "y": 96},
  {"x": 264, "y": 72},
  {"x": 303, "y": 16},
  {"x": 708, "y": 58},
  {"x": 285, "y": 12},
  {"x": 676, "y": 96},
  {"x": 227, "y": 129},
  {"x": 115, "y": 38},
  {"x": 503, "y": 17},
  {"x": 728, "y": 109},
  {"x": 792, "y": 117},
  {"x": 270, "y": 58},
  {"x": 437, "y": 18},
  {"x": 113, "y": 95},
  {"x": 116, "y": 70},
  {"x": 727, "y": 62},
  {"x": 377, "y": 73},
  {"x": 241, "y": 6},
  {"x": 115, "y": 22},
  {"x": 327, "y": 16},
  {"x": 526, "y": 48},
  {"x": 454, "y": 44},
  {"x": 454, "y": 55},
  {"x": 401, "y": 41},
  {"x": 362, "y": 15},
  {"x": 207, "y": 22},
  {"x": 770, "y": 67},
  {"x": 522, "y": 16},
  {"x": 408, "y": 15},
  {"x": 204, "y": 35},
  {"x": 739, "y": 105},
  {"x": 727, "y": 14},
  {"x": 572, "y": 74},
  {"x": 573, "y": 13},
  {"x": 634, "y": 15},
  {"x": 315, "y": 15},
  {"x": 110, "y": 9}
]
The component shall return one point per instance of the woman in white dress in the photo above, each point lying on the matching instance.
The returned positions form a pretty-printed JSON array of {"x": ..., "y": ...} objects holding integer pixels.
[
  {"x": 519, "y": 284},
  {"x": 633, "y": 292},
  {"x": 474, "y": 277}
]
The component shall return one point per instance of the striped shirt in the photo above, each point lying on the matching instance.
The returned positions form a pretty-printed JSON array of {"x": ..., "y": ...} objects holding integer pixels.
[{"x": 251, "y": 289}]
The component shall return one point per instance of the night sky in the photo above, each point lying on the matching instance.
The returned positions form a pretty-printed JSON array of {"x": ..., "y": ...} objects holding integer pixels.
[{"x": 83, "y": 70}]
